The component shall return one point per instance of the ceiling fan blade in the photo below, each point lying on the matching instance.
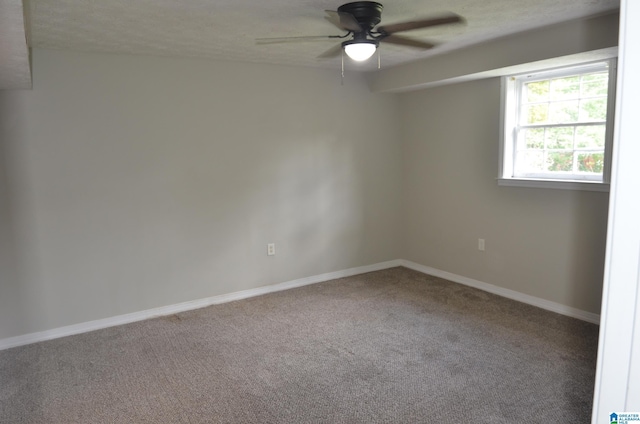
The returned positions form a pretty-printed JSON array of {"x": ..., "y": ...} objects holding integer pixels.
[
  {"x": 450, "y": 18},
  {"x": 343, "y": 20},
  {"x": 332, "y": 52},
  {"x": 274, "y": 40},
  {"x": 410, "y": 42}
]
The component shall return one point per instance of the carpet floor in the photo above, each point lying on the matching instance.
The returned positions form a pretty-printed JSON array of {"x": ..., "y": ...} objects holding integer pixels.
[{"x": 392, "y": 346}]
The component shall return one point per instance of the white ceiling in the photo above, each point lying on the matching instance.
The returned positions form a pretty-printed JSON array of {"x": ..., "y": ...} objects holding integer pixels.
[{"x": 227, "y": 29}]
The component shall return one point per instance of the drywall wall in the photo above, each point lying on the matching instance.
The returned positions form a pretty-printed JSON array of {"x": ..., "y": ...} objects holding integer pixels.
[
  {"x": 542, "y": 242},
  {"x": 129, "y": 183},
  {"x": 592, "y": 39},
  {"x": 138, "y": 182},
  {"x": 8, "y": 258}
]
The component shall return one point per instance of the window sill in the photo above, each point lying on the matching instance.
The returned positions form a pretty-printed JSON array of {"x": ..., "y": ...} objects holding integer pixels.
[{"x": 554, "y": 184}]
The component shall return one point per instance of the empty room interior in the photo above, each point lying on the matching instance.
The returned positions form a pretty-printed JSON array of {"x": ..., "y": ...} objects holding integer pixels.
[{"x": 196, "y": 226}]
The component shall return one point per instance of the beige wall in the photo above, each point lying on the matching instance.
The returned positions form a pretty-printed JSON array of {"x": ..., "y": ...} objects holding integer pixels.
[
  {"x": 128, "y": 183},
  {"x": 9, "y": 288},
  {"x": 135, "y": 182},
  {"x": 542, "y": 242},
  {"x": 552, "y": 46}
]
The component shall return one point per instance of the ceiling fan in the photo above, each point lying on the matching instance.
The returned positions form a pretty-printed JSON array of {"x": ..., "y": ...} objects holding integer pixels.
[{"x": 359, "y": 19}]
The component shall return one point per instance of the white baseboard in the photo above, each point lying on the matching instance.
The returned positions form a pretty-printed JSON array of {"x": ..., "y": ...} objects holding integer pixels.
[
  {"x": 84, "y": 327},
  {"x": 510, "y": 294},
  {"x": 244, "y": 294}
]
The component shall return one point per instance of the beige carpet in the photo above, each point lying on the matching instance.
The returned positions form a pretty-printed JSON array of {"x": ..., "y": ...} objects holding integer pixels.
[{"x": 394, "y": 346}]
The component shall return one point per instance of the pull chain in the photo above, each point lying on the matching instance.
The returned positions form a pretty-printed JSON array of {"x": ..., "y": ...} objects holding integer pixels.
[{"x": 342, "y": 74}]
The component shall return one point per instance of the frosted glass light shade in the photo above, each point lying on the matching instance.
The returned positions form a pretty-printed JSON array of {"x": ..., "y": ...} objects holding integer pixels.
[{"x": 360, "y": 51}]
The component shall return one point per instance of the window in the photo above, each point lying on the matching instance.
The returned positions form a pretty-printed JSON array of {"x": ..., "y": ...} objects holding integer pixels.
[{"x": 558, "y": 127}]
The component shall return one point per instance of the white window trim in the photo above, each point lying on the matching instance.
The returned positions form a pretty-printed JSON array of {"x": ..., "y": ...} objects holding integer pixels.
[{"x": 507, "y": 125}]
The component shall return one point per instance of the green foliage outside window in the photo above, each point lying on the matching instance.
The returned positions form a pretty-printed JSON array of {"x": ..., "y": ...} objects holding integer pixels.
[{"x": 564, "y": 121}]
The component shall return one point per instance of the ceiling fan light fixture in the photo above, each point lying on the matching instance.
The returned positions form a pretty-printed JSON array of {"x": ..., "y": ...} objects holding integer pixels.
[{"x": 360, "y": 50}]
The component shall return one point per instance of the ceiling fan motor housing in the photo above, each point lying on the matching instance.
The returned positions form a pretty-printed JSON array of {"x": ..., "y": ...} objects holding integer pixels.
[
  {"x": 359, "y": 18},
  {"x": 367, "y": 13}
]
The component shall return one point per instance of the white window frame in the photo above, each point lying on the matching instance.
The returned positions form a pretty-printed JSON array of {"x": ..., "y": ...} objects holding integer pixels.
[{"x": 509, "y": 109}]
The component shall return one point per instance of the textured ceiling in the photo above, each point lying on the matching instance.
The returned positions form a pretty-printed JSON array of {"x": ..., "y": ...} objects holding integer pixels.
[{"x": 227, "y": 29}]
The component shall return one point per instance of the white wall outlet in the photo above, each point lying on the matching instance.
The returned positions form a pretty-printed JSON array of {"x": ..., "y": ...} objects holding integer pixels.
[
  {"x": 271, "y": 249},
  {"x": 481, "y": 244}
]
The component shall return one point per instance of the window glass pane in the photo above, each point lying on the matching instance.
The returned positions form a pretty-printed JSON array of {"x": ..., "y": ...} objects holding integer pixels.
[
  {"x": 557, "y": 128},
  {"x": 559, "y": 161},
  {"x": 534, "y": 138},
  {"x": 530, "y": 161},
  {"x": 595, "y": 85},
  {"x": 536, "y": 114},
  {"x": 537, "y": 91},
  {"x": 565, "y": 88},
  {"x": 560, "y": 112},
  {"x": 593, "y": 109},
  {"x": 591, "y": 162},
  {"x": 560, "y": 138},
  {"x": 590, "y": 137}
]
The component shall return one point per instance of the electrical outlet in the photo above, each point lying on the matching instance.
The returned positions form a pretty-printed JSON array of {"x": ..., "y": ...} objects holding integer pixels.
[
  {"x": 271, "y": 249},
  {"x": 481, "y": 244}
]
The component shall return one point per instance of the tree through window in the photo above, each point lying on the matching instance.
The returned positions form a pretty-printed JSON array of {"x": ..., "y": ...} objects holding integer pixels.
[{"x": 557, "y": 124}]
